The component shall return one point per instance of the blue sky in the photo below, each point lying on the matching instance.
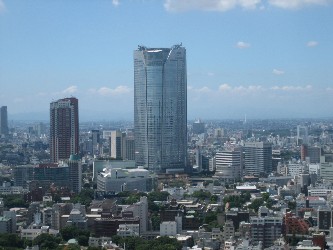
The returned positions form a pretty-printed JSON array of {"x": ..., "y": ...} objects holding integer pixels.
[{"x": 262, "y": 58}]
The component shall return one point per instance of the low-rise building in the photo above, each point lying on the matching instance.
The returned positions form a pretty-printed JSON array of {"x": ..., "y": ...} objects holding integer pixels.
[
  {"x": 128, "y": 230},
  {"x": 118, "y": 180},
  {"x": 168, "y": 228}
]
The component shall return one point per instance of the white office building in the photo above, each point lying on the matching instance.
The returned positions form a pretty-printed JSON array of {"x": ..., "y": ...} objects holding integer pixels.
[
  {"x": 128, "y": 230},
  {"x": 118, "y": 180},
  {"x": 229, "y": 165},
  {"x": 168, "y": 228}
]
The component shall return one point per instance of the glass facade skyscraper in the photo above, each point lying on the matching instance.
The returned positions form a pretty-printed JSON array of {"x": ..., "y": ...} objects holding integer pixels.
[{"x": 160, "y": 108}]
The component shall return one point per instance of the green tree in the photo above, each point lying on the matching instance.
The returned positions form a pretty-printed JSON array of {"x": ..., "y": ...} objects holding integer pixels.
[
  {"x": 213, "y": 199},
  {"x": 46, "y": 241},
  {"x": 11, "y": 241},
  {"x": 84, "y": 197},
  {"x": 256, "y": 204},
  {"x": 14, "y": 200},
  {"x": 94, "y": 248},
  {"x": 210, "y": 217},
  {"x": 116, "y": 239},
  {"x": 158, "y": 196},
  {"x": 165, "y": 240},
  {"x": 292, "y": 205},
  {"x": 83, "y": 240},
  {"x": 71, "y": 232},
  {"x": 265, "y": 196},
  {"x": 155, "y": 221},
  {"x": 201, "y": 194}
]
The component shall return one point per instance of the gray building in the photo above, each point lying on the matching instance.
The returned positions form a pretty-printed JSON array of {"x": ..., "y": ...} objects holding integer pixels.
[
  {"x": 44, "y": 175},
  {"x": 160, "y": 108},
  {"x": 229, "y": 165},
  {"x": 75, "y": 173},
  {"x": 258, "y": 158},
  {"x": 265, "y": 229},
  {"x": 3, "y": 120},
  {"x": 129, "y": 148}
]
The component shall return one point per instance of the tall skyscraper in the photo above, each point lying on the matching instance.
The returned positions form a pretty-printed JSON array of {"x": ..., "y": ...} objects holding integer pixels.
[
  {"x": 258, "y": 158},
  {"x": 64, "y": 128},
  {"x": 3, "y": 121},
  {"x": 160, "y": 108}
]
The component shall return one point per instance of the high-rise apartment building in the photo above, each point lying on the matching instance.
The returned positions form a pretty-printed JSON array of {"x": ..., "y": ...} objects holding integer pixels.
[
  {"x": 117, "y": 144},
  {"x": 3, "y": 121},
  {"x": 258, "y": 158},
  {"x": 160, "y": 108},
  {"x": 64, "y": 128}
]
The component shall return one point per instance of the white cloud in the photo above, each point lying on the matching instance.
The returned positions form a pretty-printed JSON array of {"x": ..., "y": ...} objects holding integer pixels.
[
  {"x": 329, "y": 89},
  {"x": 224, "y": 87},
  {"x": 204, "y": 89},
  {"x": 247, "y": 89},
  {"x": 115, "y": 2},
  {"x": 312, "y": 44},
  {"x": 292, "y": 88},
  {"x": 105, "y": 91},
  {"x": 209, "y": 5},
  {"x": 240, "y": 89},
  {"x": 225, "y": 5},
  {"x": 2, "y": 6},
  {"x": 252, "y": 89},
  {"x": 18, "y": 100},
  {"x": 242, "y": 45},
  {"x": 278, "y": 72},
  {"x": 295, "y": 4},
  {"x": 42, "y": 94},
  {"x": 70, "y": 90}
]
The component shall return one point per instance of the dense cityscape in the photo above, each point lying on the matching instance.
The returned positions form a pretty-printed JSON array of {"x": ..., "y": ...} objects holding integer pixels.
[{"x": 162, "y": 181}]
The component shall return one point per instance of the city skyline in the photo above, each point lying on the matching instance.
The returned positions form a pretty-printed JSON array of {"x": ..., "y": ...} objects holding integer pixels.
[{"x": 265, "y": 59}]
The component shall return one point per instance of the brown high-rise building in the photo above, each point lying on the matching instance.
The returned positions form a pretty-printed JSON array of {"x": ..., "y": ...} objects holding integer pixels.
[
  {"x": 304, "y": 152},
  {"x": 64, "y": 128}
]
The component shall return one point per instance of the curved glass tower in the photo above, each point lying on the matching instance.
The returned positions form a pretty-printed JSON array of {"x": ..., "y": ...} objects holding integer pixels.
[{"x": 160, "y": 108}]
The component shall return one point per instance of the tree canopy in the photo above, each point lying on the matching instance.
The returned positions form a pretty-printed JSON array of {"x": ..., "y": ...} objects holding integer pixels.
[{"x": 137, "y": 243}]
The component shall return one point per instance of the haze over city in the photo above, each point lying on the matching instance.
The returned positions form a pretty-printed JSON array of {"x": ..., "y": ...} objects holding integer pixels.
[{"x": 265, "y": 59}]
